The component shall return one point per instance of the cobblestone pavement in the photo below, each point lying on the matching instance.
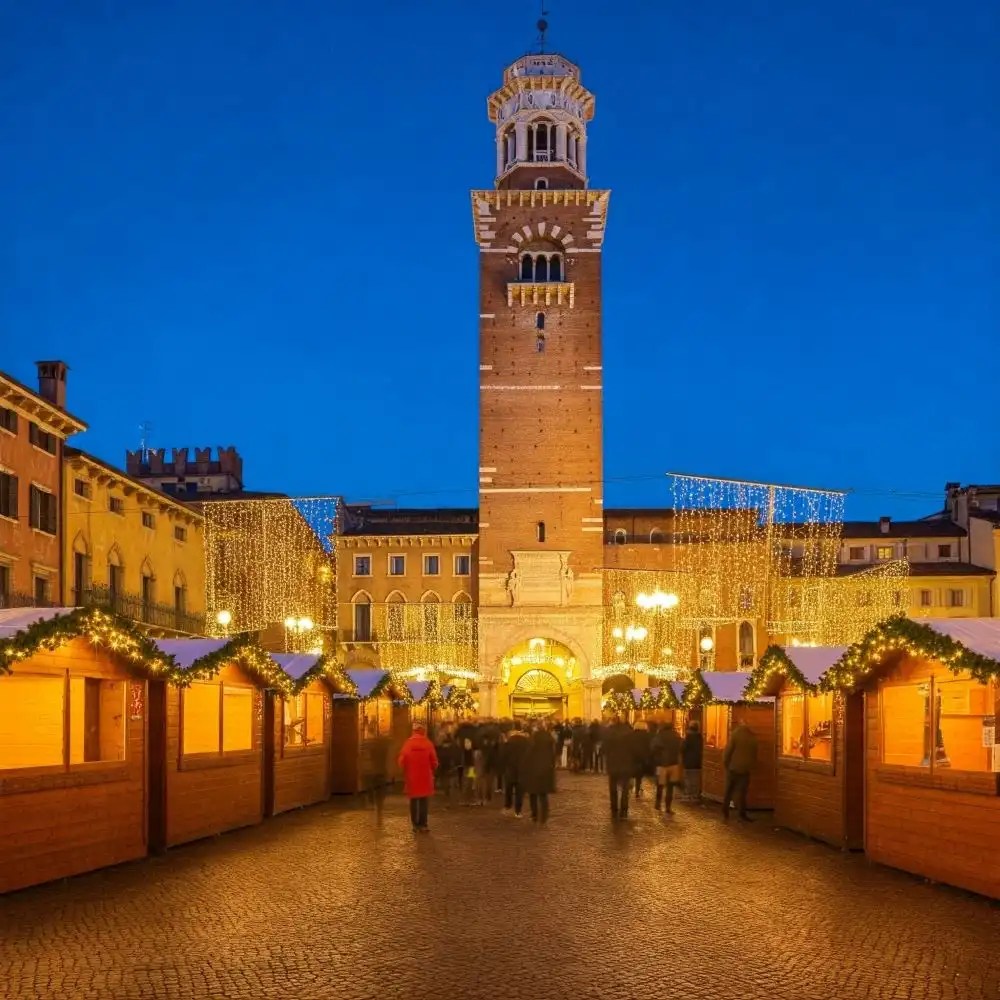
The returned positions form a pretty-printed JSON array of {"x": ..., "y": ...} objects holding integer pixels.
[{"x": 323, "y": 904}]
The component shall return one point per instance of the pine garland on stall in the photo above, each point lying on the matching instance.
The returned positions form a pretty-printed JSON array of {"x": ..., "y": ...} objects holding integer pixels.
[
  {"x": 899, "y": 634},
  {"x": 101, "y": 628},
  {"x": 774, "y": 664}
]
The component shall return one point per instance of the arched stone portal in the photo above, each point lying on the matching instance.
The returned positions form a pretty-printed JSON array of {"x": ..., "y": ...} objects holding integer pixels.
[
  {"x": 539, "y": 678},
  {"x": 538, "y": 694}
]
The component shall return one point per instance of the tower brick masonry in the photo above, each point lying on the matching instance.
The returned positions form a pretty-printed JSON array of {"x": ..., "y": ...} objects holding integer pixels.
[{"x": 540, "y": 231}]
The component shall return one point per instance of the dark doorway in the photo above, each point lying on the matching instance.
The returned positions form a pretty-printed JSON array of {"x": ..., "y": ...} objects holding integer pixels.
[
  {"x": 854, "y": 771},
  {"x": 269, "y": 750},
  {"x": 156, "y": 758}
]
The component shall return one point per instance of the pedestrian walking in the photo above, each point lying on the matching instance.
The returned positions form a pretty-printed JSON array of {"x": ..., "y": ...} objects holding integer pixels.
[
  {"x": 691, "y": 750},
  {"x": 640, "y": 754},
  {"x": 512, "y": 761},
  {"x": 418, "y": 759},
  {"x": 538, "y": 773},
  {"x": 739, "y": 758},
  {"x": 377, "y": 772},
  {"x": 618, "y": 757},
  {"x": 666, "y": 753}
]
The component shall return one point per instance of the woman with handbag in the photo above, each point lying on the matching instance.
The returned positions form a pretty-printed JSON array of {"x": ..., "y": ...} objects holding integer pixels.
[{"x": 667, "y": 756}]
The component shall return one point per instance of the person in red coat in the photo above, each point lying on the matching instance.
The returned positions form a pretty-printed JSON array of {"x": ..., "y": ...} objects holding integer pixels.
[{"x": 418, "y": 760}]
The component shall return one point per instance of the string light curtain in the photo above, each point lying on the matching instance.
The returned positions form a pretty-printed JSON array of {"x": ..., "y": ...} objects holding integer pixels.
[
  {"x": 645, "y": 630},
  {"x": 431, "y": 640},
  {"x": 271, "y": 561},
  {"x": 756, "y": 550},
  {"x": 856, "y": 603}
]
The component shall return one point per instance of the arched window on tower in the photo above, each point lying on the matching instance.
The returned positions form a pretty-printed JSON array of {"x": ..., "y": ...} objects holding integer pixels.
[
  {"x": 555, "y": 268},
  {"x": 540, "y": 531},
  {"x": 527, "y": 267},
  {"x": 541, "y": 183},
  {"x": 541, "y": 268},
  {"x": 539, "y": 335},
  {"x": 540, "y": 321}
]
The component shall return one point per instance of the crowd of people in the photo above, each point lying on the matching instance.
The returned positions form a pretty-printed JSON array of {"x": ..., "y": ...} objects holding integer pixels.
[{"x": 470, "y": 762}]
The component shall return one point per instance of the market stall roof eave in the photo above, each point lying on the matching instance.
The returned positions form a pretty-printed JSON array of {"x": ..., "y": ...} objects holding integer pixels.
[
  {"x": 720, "y": 687},
  {"x": 970, "y": 645},
  {"x": 26, "y": 631},
  {"x": 803, "y": 666}
]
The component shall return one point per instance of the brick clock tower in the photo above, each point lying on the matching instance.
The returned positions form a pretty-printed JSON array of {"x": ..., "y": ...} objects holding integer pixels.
[{"x": 540, "y": 230}]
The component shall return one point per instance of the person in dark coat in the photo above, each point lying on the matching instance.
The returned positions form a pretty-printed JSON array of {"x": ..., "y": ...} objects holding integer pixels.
[
  {"x": 691, "y": 750},
  {"x": 739, "y": 758},
  {"x": 666, "y": 753},
  {"x": 511, "y": 759},
  {"x": 640, "y": 754},
  {"x": 538, "y": 773},
  {"x": 619, "y": 760}
]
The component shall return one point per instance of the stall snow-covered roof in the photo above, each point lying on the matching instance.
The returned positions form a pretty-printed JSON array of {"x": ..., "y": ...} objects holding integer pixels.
[
  {"x": 366, "y": 680},
  {"x": 186, "y": 651},
  {"x": 719, "y": 687},
  {"x": 13, "y": 620},
  {"x": 803, "y": 666},
  {"x": 969, "y": 645},
  {"x": 201, "y": 659}
]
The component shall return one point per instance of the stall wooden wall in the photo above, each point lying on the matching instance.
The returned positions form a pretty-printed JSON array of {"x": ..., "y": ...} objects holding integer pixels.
[
  {"x": 760, "y": 718},
  {"x": 206, "y": 797},
  {"x": 53, "y": 825},
  {"x": 825, "y": 800},
  {"x": 302, "y": 775},
  {"x": 946, "y": 831},
  {"x": 345, "y": 764}
]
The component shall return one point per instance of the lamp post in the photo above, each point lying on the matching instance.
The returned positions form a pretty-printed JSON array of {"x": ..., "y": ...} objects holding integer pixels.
[
  {"x": 659, "y": 603},
  {"x": 296, "y": 627},
  {"x": 224, "y": 619}
]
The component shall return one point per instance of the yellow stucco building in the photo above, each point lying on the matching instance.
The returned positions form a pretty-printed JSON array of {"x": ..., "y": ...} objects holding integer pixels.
[{"x": 131, "y": 548}]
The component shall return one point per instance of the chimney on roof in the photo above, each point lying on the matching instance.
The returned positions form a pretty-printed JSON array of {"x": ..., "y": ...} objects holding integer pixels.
[
  {"x": 883, "y": 524},
  {"x": 52, "y": 381}
]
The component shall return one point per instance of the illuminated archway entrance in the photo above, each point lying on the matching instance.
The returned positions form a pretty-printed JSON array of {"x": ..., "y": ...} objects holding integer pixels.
[
  {"x": 538, "y": 694},
  {"x": 537, "y": 675}
]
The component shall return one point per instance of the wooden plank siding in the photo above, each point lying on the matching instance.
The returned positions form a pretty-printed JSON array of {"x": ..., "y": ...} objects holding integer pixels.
[
  {"x": 59, "y": 823},
  {"x": 760, "y": 718},
  {"x": 302, "y": 775},
  {"x": 345, "y": 763},
  {"x": 812, "y": 797},
  {"x": 942, "y": 827},
  {"x": 206, "y": 797}
]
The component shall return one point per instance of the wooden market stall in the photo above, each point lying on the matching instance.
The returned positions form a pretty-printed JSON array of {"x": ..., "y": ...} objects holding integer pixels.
[
  {"x": 660, "y": 705},
  {"x": 72, "y": 742},
  {"x": 723, "y": 707},
  {"x": 819, "y": 740},
  {"x": 932, "y": 800},
  {"x": 362, "y": 731},
  {"x": 206, "y": 772},
  {"x": 298, "y": 730}
]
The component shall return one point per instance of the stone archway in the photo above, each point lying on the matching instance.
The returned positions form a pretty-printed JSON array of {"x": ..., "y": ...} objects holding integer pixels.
[{"x": 538, "y": 693}]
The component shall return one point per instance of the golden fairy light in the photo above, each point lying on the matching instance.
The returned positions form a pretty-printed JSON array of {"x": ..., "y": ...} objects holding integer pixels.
[
  {"x": 432, "y": 639},
  {"x": 268, "y": 561}
]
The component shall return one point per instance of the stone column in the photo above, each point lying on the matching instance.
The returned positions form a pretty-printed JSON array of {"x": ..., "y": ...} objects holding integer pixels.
[
  {"x": 501, "y": 150},
  {"x": 521, "y": 129},
  {"x": 592, "y": 699},
  {"x": 488, "y": 698},
  {"x": 571, "y": 149},
  {"x": 561, "y": 142},
  {"x": 581, "y": 155}
]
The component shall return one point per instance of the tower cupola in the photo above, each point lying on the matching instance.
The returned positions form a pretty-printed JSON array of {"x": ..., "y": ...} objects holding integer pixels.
[{"x": 541, "y": 114}]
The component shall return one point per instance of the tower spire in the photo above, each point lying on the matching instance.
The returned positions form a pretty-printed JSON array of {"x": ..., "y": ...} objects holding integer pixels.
[{"x": 543, "y": 26}]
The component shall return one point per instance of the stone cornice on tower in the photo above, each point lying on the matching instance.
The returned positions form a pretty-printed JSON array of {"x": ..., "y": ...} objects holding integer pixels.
[{"x": 485, "y": 204}]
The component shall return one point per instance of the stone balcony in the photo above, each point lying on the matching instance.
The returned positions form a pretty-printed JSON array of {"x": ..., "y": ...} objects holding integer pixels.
[{"x": 545, "y": 293}]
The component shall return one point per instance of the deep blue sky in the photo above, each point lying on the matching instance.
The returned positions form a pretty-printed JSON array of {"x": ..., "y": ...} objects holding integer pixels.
[{"x": 249, "y": 224}]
